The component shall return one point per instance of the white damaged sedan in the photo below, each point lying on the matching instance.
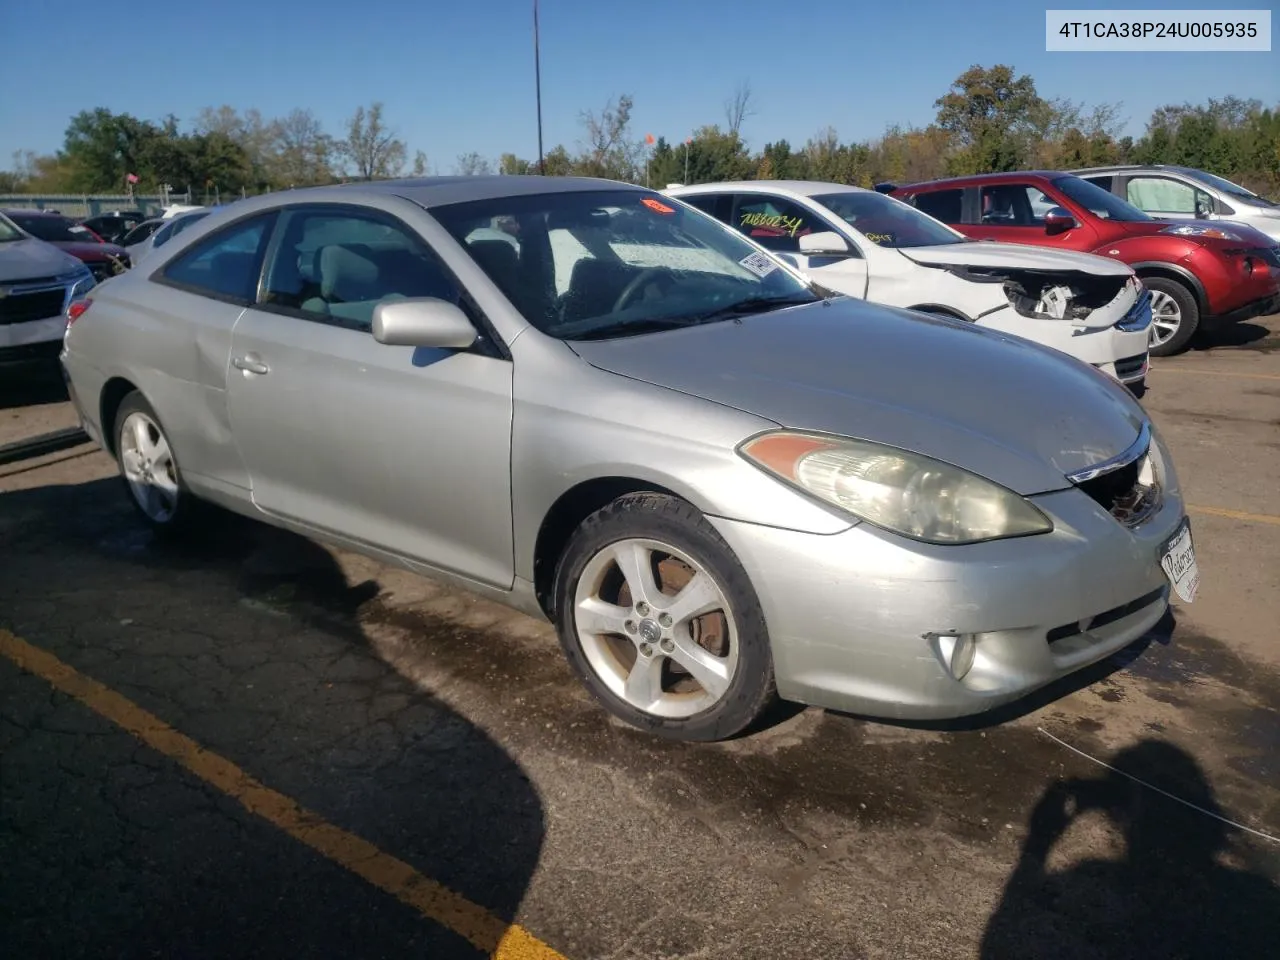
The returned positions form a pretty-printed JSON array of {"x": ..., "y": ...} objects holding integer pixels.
[{"x": 868, "y": 245}]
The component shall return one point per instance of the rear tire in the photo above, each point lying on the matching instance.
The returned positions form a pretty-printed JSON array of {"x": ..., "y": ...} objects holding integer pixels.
[
  {"x": 661, "y": 623},
  {"x": 1175, "y": 316},
  {"x": 149, "y": 468}
]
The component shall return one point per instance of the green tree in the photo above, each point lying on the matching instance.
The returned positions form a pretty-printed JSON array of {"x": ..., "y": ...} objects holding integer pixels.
[
  {"x": 993, "y": 117},
  {"x": 370, "y": 146}
]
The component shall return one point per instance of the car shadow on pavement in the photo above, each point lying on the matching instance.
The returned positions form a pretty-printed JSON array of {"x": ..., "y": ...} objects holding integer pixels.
[
  {"x": 32, "y": 387},
  {"x": 112, "y": 850},
  {"x": 1182, "y": 888},
  {"x": 1251, "y": 335}
]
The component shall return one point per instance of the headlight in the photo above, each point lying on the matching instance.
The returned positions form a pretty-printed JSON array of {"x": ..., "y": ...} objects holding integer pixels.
[
  {"x": 83, "y": 283},
  {"x": 1213, "y": 233},
  {"x": 912, "y": 495}
]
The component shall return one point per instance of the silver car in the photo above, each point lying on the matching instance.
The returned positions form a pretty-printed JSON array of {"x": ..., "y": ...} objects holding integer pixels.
[
  {"x": 1185, "y": 193},
  {"x": 605, "y": 408}
]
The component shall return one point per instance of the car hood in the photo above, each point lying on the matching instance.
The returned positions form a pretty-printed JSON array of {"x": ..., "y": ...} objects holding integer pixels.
[
  {"x": 980, "y": 253},
  {"x": 33, "y": 259},
  {"x": 1002, "y": 407},
  {"x": 1148, "y": 227},
  {"x": 88, "y": 250}
]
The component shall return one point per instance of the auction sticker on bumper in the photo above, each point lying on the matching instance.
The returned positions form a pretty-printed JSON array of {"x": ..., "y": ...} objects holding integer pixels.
[{"x": 1178, "y": 558}]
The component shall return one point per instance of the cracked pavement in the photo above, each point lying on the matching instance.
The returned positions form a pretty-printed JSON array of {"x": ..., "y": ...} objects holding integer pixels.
[{"x": 450, "y": 733}]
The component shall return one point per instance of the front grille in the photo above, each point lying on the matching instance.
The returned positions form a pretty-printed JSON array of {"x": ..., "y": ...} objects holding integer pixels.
[
  {"x": 1130, "y": 366},
  {"x": 1105, "y": 618},
  {"x": 26, "y": 307}
]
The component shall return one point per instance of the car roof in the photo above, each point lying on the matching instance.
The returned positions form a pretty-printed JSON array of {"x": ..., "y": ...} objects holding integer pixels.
[
  {"x": 435, "y": 191},
  {"x": 803, "y": 188},
  {"x": 980, "y": 178},
  {"x": 28, "y": 212},
  {"x": 1127, "y": 167}
]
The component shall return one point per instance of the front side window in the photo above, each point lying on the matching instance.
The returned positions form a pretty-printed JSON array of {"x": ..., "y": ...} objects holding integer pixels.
[
  {"x": 1162, "y": 196},
  {"x": 140, "y": 232},
  {"x": 1231, "y": 189},
  {"x": 8, "y": 231},
  {"x": 224, "y": 265},
  {"x": 888, "y": 222},
  {"x": 946, "y": 206},
  {"x": 176, "y": 226},
  {"x": 337, "y": 265},
  {"x": 1014, "y": 205},
  {"x": 1099, "y": 202},
  {"x": 598, "y": 264}
]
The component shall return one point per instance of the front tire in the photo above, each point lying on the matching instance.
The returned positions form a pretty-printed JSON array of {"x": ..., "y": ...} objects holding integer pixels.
[
  {"x": 149, "y": 468},
  {"x": 1175, "y": 316},
  {"x": 661, "y": 622}
]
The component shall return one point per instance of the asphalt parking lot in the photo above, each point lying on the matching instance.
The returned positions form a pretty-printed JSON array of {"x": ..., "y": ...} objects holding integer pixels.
[{"x": 252, "y": 746}]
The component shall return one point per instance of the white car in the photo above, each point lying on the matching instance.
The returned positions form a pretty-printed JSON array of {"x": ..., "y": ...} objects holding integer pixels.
[{"x": 869, "y": 245}]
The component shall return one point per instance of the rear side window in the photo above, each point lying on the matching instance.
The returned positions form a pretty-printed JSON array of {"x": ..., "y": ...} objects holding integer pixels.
[
  {"x": 944, "y": 205},
  {"x": 224, "y": 265},
  {"x": 775, "y": 223},
  {"x": 718, "y": 205}
]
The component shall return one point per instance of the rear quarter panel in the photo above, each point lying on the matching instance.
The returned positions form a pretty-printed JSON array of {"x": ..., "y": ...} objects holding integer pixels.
[{"x": 174, "y": 347}]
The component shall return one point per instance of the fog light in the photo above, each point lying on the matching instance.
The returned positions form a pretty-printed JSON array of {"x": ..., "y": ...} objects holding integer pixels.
[{"x": 956, "y": 651}]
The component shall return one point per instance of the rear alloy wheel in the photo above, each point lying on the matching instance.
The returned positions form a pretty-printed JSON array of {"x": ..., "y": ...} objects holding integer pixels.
[
  {"x": 1174, "y": 316},
  {"x": 661, "y": 623},
  {"x": 149, "y": 467}
]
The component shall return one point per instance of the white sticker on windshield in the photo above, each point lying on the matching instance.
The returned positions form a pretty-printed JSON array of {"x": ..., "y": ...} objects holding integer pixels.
[{"x": 758, "y": 263}]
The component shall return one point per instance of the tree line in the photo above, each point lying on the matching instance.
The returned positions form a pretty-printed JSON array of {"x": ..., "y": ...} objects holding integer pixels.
[{"x": 990, "y": 119}]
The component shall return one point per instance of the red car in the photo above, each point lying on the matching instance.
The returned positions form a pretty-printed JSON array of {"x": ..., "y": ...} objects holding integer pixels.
[
  {"x": 104, "y": 259},
  {"x": 1198, "y": 271}
]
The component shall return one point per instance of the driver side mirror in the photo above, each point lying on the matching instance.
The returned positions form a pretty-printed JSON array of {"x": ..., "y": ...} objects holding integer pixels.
[
  {"x": 422, "y": 322},
  {"x": 1059, "y": 220},
  {"x": 825, "y": 244}
]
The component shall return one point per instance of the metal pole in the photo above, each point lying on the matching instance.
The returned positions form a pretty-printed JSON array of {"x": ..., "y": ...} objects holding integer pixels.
[{"x": 537, "y": 81}]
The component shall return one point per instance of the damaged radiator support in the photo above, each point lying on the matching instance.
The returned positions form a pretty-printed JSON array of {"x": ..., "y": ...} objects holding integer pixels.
[{"x": 1050, "y": 294}]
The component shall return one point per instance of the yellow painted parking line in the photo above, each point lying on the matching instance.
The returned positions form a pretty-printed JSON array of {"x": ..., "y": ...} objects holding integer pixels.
[
  {"x": 487, "y": 932},
  {"x": 1217, "y": 373},
  {"x": 1235, "y": 514}
]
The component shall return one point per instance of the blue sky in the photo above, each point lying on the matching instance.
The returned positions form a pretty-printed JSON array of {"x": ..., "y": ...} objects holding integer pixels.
[{"x": 457, "y": 77}]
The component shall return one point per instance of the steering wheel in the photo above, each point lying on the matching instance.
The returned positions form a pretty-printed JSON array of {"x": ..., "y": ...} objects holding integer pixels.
[{"x": 632, "y": 288}]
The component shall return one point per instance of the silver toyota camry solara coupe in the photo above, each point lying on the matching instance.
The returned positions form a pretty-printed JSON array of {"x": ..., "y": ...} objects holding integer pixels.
[{"x": 601, "y": 406}]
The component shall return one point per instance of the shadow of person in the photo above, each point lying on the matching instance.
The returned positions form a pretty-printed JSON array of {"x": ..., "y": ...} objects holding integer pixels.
[
  {"x": 248, "y": 640},
  {"x": 1169, "y": 895}
]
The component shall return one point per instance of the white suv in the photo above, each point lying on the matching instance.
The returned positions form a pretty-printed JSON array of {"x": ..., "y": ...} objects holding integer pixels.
[{"x": 869, "y": 245}]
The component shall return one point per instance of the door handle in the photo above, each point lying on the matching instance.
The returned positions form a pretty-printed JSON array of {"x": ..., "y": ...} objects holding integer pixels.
[{"x": 250, "y": 363}]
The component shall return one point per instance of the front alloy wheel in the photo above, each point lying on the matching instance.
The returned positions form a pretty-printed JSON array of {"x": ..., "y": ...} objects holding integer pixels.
[
  {"x": 661, "y": 622},
  {"x": 656, "y": 628},
  {"x": 1174, "y": 316}
]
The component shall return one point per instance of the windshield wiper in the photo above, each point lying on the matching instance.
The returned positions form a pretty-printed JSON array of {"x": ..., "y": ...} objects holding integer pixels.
[
  {"x": 627, "y": 327},
  {"x": 749, "y": 306}
]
